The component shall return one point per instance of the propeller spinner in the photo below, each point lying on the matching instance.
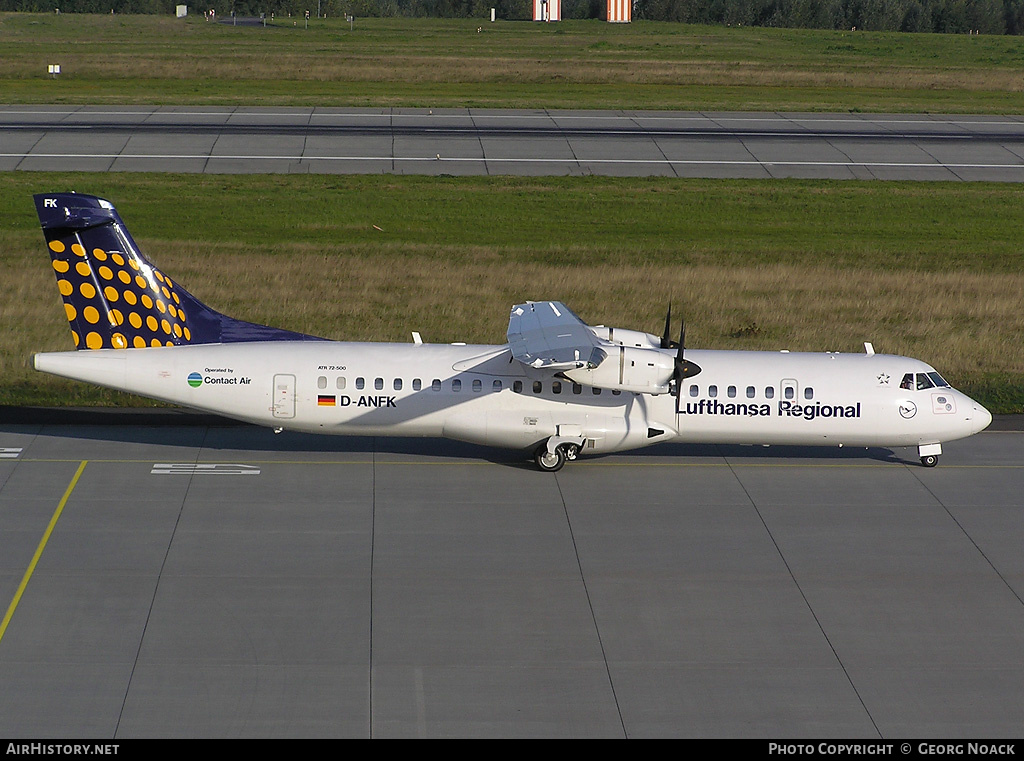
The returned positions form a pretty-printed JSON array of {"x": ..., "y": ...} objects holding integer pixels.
[{"x": 684, "y": 367}]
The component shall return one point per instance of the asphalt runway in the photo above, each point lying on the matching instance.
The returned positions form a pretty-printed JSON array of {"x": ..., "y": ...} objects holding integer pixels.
[
  {"x": 220, "y": 581},
  {"x": 479, "y": 142}
]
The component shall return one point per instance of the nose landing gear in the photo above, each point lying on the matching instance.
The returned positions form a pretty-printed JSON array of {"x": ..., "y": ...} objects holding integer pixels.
[{"x": 929, "y": 454}]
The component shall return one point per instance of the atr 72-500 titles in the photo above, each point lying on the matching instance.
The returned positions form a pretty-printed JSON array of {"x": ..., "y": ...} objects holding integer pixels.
[{"x": 558, "y": 388}]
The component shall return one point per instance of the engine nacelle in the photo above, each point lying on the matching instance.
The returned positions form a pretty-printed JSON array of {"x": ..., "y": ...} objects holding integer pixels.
[
  {"x": 626, "y": 337},
  {"x": 628, "y": 368}
]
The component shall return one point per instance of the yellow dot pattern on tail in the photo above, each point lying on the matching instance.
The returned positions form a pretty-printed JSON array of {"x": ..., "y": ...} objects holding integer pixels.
[{"x": 116, "y": 300}]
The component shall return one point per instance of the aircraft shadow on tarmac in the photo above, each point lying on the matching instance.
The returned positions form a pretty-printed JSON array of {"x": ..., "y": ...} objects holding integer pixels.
[{"x": 239, "y": 439}]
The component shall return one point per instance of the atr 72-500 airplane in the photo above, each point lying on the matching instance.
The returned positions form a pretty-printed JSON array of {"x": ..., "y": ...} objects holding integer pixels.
[{"x": 557, "y": 389}]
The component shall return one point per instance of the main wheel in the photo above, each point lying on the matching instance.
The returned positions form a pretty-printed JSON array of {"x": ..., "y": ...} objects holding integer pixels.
[
  {"x": 930, "y": 460},
  {"x": 549, "y": 463}
]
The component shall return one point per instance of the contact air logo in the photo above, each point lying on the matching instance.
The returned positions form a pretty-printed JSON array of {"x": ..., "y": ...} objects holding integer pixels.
[{"x": 195, "y": 380}]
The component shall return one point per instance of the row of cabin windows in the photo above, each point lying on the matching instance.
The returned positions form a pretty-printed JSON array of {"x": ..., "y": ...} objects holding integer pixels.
[
  {"x": 556, "y": 387},
  {"x": 788, "y": 392}
]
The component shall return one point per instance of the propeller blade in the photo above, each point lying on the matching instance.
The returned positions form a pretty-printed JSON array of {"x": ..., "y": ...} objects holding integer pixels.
[
  {"x": 666, "y": 342},
  {"x": 684, "y": 368}
]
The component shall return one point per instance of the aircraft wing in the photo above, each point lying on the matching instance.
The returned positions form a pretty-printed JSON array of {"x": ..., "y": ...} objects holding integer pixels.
[{"x": 547, "y": 335}]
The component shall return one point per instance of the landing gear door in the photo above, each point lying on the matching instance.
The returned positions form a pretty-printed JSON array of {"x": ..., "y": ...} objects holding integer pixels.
[{"x": 284, "y": 396}]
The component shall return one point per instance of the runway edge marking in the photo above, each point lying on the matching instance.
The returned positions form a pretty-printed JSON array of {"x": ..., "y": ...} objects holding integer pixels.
[{"x": 39, "y": 550}]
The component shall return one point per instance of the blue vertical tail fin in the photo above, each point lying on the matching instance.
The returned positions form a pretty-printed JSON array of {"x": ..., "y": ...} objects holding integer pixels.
[{"x": 114, "y": 298}]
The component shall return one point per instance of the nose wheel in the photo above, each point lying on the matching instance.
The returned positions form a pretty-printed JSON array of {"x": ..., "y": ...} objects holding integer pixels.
[{"x": 929, "y": 454}]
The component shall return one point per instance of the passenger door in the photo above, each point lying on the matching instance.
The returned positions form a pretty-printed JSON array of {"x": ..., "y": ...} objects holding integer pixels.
[{"x": 284, "y": 396}]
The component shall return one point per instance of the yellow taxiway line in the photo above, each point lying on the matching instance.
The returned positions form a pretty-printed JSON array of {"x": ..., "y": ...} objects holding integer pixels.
[{"x": 39, "y": 550}]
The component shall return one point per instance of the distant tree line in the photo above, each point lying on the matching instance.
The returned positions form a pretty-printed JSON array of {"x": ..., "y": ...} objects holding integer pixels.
[
  {"x": 506, "y": 9},
  {"x": 947, "y": 16}
]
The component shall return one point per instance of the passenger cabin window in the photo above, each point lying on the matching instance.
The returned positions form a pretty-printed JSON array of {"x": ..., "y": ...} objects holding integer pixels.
[
  {"x": 417, "y": 384},
  {"x": 732, "y": 392},
  {"x": 435, "y": 385},
  {"x": 340, "y": 382},
  {"x": 456, "y": 385},
  {"x": 750, "y": 392},
  {"x": 615, "y": 392},
  {"x": 556, "y": 387},
  {"x": 517, "y": 386},
  {"x": 596, "y": 391},
  {"x": 321, "y": 382},
  {"x": 537, "y": 386},
  {"x": 694, "y": 390},
  {"x": 577, "y": 388},
  {"x": 360, "y": 383},
  {"x": 789, "y": 392},
  {"x": 398, "y": 384},
  {"x": 808, "y": 393},
  {"x": 713, "y": 391},
  {"x": 769, "y": 392},
  {"x": 478, "y": 385},
  {"x": 496, "y": 386},
  {"x": 378, "y": 383}
]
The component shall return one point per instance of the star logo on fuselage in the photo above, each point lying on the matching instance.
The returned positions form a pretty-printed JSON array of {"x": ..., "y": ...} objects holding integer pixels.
[{"x": 883, "y": 380}]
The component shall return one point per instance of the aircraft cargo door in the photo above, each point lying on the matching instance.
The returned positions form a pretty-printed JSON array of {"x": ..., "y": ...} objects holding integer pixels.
[{"x": 284, "y": 396}]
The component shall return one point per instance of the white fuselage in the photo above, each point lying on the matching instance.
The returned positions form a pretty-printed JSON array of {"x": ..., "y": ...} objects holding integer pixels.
[{"x": 480, "y": 394}]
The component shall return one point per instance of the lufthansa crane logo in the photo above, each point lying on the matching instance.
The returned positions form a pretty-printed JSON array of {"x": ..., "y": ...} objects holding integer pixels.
[{"x": 908, "y": 409}]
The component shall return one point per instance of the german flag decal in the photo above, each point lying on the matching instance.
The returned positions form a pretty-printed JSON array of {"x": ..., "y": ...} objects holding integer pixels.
[{"x": 326, "y": 400}]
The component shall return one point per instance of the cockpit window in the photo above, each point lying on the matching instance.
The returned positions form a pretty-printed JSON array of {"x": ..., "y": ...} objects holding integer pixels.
[
  {"x": 923, "y": 381},
  {"x": 907, "y": 382},
  {"x": 938, "y": 380}
]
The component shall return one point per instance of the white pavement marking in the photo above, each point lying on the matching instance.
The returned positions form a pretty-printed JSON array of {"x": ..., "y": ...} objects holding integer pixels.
[{"x": 205, "y": 469}]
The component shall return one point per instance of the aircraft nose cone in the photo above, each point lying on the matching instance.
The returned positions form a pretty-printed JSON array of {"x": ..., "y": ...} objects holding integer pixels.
[{"x": 981, "y": 418}]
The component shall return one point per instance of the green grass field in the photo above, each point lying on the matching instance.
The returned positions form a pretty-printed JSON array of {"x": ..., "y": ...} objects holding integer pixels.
[
  {"x": 931, "y": 270},
  {"x": 442, "y": 63}
]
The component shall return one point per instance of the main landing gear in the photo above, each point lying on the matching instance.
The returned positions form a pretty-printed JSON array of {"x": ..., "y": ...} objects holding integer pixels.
[
  {"x": 930, "y": 461},
  {"x": 552, "y": 455}
]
